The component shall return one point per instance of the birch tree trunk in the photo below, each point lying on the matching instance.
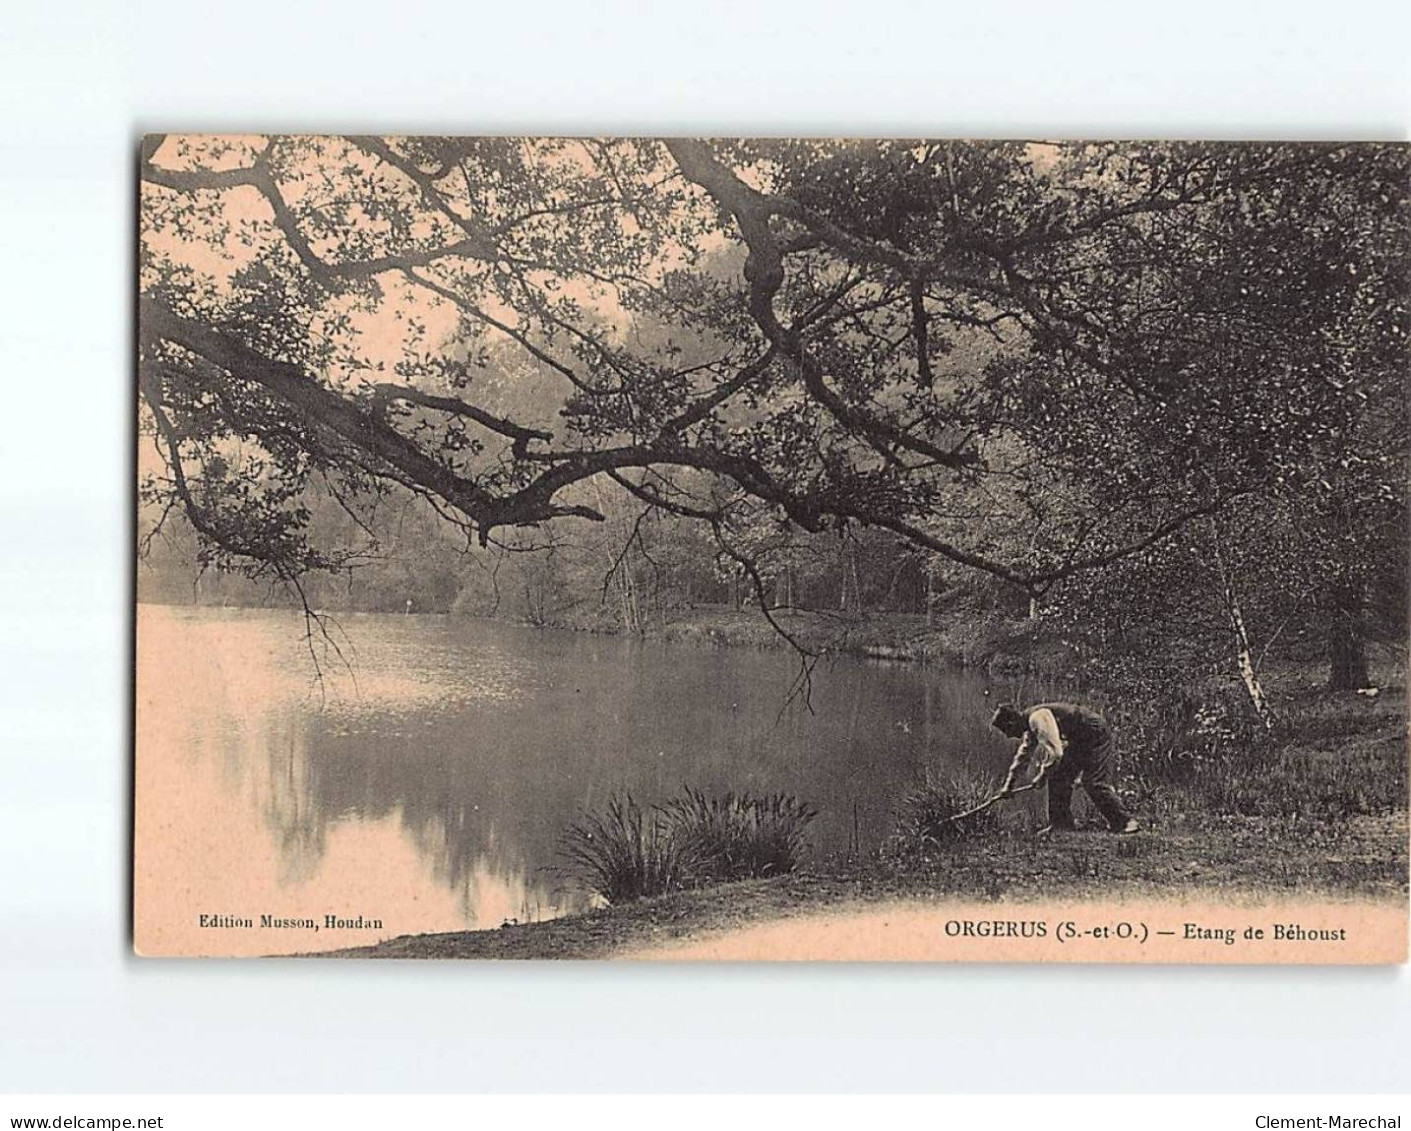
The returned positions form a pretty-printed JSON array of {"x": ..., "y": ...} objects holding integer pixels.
[{"x": 1244, "y": 655}]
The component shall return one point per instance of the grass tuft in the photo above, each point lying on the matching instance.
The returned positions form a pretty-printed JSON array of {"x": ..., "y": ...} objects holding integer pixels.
[
  {"x": 923, "y": 814},
  {"x": 740, "y": 836},
  {"x": 627, "y": 853}
]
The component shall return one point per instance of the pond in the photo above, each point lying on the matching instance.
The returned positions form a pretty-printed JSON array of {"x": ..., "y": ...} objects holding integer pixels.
[{"x": 424, "y": 783}]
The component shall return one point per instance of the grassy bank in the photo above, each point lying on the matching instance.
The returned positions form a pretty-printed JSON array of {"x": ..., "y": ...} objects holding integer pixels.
[
  {"x": 1319, "y": 810},
  {"x": 956, "y": 636}
]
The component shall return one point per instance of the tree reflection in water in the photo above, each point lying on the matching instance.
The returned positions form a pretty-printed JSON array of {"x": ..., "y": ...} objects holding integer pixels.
[{"x": 432, "y": 789}]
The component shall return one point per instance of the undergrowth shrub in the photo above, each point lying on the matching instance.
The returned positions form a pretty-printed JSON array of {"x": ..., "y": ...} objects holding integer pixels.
[
  {"x": 1318, "y": 762},
  {"x": 1176, "y": 738},
  {"x": 1300, "y": 783}
]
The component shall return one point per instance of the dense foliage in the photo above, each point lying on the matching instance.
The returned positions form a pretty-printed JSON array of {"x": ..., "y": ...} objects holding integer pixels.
[{"x": 832, "y": 373}]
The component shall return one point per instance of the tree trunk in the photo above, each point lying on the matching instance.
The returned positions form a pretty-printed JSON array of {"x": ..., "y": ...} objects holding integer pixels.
[
  {"x": 1347, "y": 651},
  {"x": 1244, "y": 656},
  {"x": 1349, "y": 663},
  {"x": 850, "y": 599}
]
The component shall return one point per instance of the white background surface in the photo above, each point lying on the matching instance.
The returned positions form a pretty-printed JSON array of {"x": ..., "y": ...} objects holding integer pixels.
[
  {"x": 80, "y": 80},
  {"x": 1063, "y": 1111}
]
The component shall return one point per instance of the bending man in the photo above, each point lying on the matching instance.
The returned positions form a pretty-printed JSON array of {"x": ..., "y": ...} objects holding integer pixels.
[{"x": 1065, "y": 743}]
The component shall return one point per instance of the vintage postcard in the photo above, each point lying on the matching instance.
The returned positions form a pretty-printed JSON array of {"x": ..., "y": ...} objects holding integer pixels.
[{"x": 771, "y": 549}]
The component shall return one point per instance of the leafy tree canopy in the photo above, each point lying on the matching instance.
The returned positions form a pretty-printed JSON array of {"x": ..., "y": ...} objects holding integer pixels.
[{"x": 1028, "y": 359}]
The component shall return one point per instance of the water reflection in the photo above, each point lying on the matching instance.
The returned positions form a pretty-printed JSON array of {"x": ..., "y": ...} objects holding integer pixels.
[{"x": 428, "y": 786}]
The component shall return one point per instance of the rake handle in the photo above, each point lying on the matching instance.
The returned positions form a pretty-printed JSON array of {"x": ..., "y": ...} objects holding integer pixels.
[{"x": 1000, "y": 796}]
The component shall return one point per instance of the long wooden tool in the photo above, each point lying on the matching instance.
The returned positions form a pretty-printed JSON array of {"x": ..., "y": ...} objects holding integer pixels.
[{"x": 1000, "y": 796}]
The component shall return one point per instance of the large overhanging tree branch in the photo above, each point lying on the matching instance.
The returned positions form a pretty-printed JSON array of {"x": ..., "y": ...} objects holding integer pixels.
[
  {"x": 535, "y": 503},
  {"x": 823, "y": 383},
  {"x": 367, "y": 430}
]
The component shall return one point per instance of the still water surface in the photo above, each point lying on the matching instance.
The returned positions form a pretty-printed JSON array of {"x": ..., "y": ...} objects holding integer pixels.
[{"x": 427, "y": 783}]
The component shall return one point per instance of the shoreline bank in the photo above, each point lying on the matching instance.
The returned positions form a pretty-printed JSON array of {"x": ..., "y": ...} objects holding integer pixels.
[
  {"x": 1192, "y": 861},
  {"x": 1328, "y": 821},
  {"x": 958, "y": 638},
  {"x": 1323, "y": 816}
]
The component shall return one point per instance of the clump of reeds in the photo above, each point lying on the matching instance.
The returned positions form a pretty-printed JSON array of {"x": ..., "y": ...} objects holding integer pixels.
[
  {"x": 740, "y": 836},
  {"x": 626, "y": 853}
]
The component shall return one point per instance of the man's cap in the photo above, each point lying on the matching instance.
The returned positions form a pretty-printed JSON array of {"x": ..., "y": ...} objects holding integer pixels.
[{"x": 1006, "y": 712}]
